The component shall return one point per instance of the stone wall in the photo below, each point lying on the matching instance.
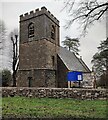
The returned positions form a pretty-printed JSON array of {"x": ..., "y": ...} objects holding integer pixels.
[
  {"x": 61, "y": 74},
  {"x": 38, "y": 54},
  {"x": 87, "y": 80},
  {"x": 43, "y": 20},
  {"x": 75, "y": 93}
]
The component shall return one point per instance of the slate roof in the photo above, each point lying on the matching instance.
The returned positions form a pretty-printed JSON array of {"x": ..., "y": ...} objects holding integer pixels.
[{"x": 71, "y": 61}]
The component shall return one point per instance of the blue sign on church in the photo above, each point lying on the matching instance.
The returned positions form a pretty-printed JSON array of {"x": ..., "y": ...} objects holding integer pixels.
[{"x": 74, "y": 76}]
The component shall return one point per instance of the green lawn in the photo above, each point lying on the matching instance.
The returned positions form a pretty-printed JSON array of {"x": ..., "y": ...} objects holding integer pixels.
[{"x": 53, "y": 108}]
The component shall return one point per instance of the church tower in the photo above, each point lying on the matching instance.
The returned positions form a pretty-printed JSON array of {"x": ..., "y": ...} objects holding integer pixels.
[{"x": 39, "y": 39}]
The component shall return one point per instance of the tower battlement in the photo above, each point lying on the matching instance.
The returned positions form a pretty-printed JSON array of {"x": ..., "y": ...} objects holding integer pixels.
[{"x": 37, "y": 13}]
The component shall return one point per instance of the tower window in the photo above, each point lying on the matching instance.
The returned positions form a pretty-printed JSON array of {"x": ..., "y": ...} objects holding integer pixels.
[
  {"x": 53, "y": 61},
  {"x": 53, "y": 32},
  {"x": 31, "y": 30},
  {"x": 29, "y": 81}
]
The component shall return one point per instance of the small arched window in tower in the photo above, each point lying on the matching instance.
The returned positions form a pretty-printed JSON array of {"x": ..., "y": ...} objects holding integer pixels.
[
  {"x": 53, "y": 32},
  {"x": 53, "y": 61},
  {"x": 31, "y": 30}
]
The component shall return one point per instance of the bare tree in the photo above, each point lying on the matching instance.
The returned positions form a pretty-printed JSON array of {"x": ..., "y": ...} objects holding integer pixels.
[
  {"x": 3, "y": 34},
  {"x": 15, "y": 54},
  {"x": 86, "y": 12},
  {"x": 3, "y": 42}
]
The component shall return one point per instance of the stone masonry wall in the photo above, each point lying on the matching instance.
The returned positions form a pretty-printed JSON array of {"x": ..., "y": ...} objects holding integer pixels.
[
  {"x": 75, "y": 93},
  {"x": 62, "y": 74},
  {"x": 38, "y": 54}
]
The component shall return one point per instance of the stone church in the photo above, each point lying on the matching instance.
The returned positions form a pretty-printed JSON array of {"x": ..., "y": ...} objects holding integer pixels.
[{"x": 42, "y": 62}]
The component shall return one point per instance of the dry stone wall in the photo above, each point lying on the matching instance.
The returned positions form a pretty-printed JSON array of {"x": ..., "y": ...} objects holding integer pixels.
[{"x": 76, "y": 93}]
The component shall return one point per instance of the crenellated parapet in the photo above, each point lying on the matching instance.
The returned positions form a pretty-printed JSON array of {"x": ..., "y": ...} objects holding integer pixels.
[{"x": 38, "y": 12}]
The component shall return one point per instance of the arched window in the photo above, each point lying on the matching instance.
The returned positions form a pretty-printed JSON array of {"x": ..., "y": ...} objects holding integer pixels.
[
  {"x": 53, "y": 61},
  {"x": 53, "y": 32},
  {"x": 31, "y": 30}
]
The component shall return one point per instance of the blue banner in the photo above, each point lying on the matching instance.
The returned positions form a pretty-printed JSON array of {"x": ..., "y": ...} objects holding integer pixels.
[{"x": 74, "y": 76}]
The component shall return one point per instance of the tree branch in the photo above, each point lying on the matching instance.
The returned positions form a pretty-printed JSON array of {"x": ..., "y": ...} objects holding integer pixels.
[
  {"x": 105, "y": 4},
  {"x": 86, "y": 13}
]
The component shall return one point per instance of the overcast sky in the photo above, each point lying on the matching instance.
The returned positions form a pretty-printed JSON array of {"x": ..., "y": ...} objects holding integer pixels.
[{"x": 11, "y": 10}]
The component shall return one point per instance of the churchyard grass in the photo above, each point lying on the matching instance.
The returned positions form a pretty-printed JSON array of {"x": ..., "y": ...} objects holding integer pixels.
[{"x": 53, "y": 108}]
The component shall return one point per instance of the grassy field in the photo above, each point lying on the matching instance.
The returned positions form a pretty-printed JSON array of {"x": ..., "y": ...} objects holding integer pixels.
[{"x": 53, "y": 108}]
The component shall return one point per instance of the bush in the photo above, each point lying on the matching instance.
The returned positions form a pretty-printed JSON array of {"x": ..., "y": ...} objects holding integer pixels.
[
  {"x": 6, "y": 77},
  {"x": 103, "y": 81}
]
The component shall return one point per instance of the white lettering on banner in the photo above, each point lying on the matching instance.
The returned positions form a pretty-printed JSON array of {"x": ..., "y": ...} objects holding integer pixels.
[{"x": 79, "y": 77}]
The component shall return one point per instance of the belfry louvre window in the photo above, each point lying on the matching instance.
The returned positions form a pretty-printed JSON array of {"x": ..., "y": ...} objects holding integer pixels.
[
  {"x": 53, "y": 32},
  {"x": 31, "y": 30},
  {"x": 53, "y": 61}
]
